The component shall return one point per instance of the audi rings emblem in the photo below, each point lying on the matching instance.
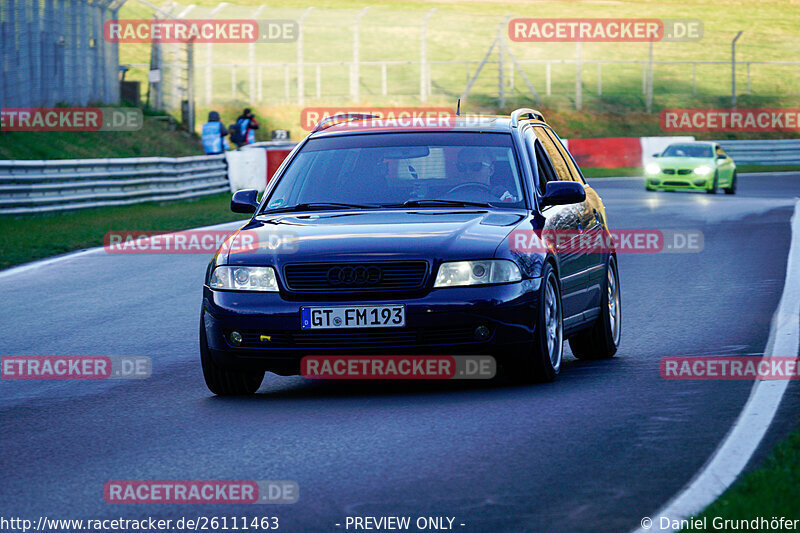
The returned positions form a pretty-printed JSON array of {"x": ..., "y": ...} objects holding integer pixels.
[{"x": 354, "y": 275}]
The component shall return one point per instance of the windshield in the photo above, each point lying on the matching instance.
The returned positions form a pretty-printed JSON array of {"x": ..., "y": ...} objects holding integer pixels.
[
  {"x": 393, "y": 169},
  {"x": 688, "y": 150}
]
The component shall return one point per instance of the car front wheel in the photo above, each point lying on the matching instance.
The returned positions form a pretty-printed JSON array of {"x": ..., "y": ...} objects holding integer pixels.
[
  {"x": 713, "y": 188},
  {"x": 543, "y": 362},
  {"x": 225, "y": 382},
  {"x": 732, "y": 188}
]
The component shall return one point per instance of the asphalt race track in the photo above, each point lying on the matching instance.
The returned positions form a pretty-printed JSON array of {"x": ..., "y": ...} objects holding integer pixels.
[{"x": 604, "y": 445}]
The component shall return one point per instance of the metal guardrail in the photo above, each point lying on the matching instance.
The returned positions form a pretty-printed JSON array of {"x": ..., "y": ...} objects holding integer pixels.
[
  {"x": 764, "y": 152},
  {"x": 60, "y": 185}
]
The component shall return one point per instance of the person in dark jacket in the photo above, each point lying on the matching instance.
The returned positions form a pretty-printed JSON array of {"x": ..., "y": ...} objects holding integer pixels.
[
  {"x": 247, "y": 125},
  {"x": 213, "y": 135}
]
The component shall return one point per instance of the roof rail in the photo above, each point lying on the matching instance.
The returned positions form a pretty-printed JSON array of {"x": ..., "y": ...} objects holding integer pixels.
[
  {"x": 525, "y": 112},
  {"x": 340, "y": 117}
]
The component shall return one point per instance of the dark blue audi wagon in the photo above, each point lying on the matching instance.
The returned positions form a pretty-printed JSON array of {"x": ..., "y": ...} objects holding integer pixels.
[{"x": 401, "y": 241}]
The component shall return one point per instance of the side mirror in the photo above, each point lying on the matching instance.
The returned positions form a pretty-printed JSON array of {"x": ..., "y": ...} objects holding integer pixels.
[
  {"x": 244, "y": 201},
  {"x": 656, "y": 155},
  {"x": 562, "y": 193},
  {"x": 722, "y": 156}
]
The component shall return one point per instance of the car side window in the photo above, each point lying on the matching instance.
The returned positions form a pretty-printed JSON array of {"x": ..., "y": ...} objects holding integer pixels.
[
  {"x": 576, "y": 174},
  {"x": 556, "y": 158},
  {"x": 545, "y": 168}
]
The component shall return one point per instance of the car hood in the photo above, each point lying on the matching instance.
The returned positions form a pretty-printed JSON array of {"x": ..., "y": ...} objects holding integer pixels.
[
  {"x": 684, "y": 162},
  {"x": 385, "y": 234}
]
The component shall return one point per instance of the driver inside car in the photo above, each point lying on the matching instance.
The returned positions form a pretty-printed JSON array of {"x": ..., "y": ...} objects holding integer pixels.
[{"x": 478, "y": 171}]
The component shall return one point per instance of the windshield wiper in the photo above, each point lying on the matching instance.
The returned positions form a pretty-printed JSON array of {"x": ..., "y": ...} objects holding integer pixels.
[
  {"x": 435, "y": 202},
  {"x": 317, "y": 206}
]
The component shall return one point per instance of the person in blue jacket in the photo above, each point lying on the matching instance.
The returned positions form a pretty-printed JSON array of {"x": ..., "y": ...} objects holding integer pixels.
[{"x": 213, "y": 135}]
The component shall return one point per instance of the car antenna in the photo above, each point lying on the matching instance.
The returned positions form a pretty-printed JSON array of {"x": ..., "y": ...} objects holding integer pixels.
[{"x": 458, "y": 108}]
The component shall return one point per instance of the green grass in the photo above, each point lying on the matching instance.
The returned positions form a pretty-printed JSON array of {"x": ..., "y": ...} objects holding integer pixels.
[
  {"x": 772, "y": 490},
  {"x": 156, "y": 138},
  {"x": 460, "y": 31},
  {"x": 30, "y": 237}
]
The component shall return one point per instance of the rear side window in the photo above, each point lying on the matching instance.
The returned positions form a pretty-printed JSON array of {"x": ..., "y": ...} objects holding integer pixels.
[{"x": 559, "y": 163}]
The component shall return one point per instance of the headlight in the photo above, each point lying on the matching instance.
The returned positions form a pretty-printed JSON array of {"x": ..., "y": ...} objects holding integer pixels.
[
  {"x": 652, "y": 168},
  {"x": 460, "y": 273},
  {"x": 244, "y": 278},
  {"x": 702, "y": 170}
]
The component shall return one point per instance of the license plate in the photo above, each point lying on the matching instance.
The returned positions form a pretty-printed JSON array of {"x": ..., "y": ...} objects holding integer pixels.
[{"x": 356, "y": 316}]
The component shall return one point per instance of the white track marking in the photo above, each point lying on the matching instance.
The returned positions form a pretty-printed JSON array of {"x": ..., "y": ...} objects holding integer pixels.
[
  {"x": 35, "y": 265},
  {"x": 745, "y": 435}
]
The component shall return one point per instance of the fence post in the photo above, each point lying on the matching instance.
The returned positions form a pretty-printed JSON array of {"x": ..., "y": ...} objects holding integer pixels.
[
  {"x": 355, "y": 74},
  {"x": 251, "y": 52},
  {"x": 733, "y": 69},
  {"x": 301, "y": 80},
  {"x": 547, "y": 77},
  {"x": 423, "y": 59},
  {"x": 650, "y": 78},
  {"x": 578, "y": 75},
  {"x": 500, "y": 46},
  {"x": 599, "y": 79},
  {"x": 748, "y": 77}
]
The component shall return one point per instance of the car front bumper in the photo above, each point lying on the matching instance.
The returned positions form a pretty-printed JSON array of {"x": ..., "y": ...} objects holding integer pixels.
[
  {"x": 442, "y": 322},
  {"x": 679, "y": 182}
]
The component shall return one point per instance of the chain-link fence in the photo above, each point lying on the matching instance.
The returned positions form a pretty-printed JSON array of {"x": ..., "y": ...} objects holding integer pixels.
[
  {"x": 346, "y": 56},
  {"x": 53, "y": 52}
]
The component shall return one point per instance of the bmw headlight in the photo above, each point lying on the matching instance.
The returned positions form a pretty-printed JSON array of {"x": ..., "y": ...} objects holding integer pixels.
[
  {"x": 652, "y": 168},
  {"x": 702, "y": 170},
  {"x": 461, "y": 273},
  {"x": 244, "y": 278}
]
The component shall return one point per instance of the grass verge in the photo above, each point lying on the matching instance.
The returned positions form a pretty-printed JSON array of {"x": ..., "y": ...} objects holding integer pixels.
[
  {"x": 26, "y": 238},
  {"x": 773, "y": 490}
]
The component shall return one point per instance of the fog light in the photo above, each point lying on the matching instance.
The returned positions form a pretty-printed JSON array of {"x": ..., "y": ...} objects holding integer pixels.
[
  {"x": 482, "y": 333},
  {"x": 699, "y": 183},
  {"x": 236, "y": 337}
]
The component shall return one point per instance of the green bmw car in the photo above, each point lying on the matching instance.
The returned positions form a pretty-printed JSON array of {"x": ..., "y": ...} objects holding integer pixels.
[{"x": 692, "y": 166}]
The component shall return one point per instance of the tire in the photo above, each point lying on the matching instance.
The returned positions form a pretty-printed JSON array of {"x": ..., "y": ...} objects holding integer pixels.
[
  {"x": 732, "y": 188},
  {"x": 226, "y": 382},
  {"x": 601, "y": 340},
  {"x": 543, "y": 362},
  {"x": 713, "y": 189}
]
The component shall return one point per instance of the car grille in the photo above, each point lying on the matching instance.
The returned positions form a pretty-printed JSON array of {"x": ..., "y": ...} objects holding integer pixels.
[
  {"x": 668, "y": 170},
  {"x": 356, "y": 339},
  {"x": 684, "y": 171},
  {"x": 675, "y": 184},
  {"x": 356, "y": 277}
]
